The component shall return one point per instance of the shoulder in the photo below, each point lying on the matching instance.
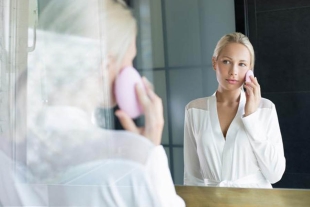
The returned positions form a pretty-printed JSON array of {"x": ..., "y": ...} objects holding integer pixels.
[
  {"x": 266, "y": 104},
  {"x": 200, "y": 103},
  {"x": 127, "y": 145}
]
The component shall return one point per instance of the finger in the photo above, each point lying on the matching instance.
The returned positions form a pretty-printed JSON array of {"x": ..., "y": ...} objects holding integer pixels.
[
  {"x": 127, "y": 122},
  {"x": 254, "y": 80},
  {"x": 249, "y": 90},
  {"x": 147, "y": 83},
  {"x": 256, "y": 86},
  {"x": 250, "y": 84},
  {"x": 152, "y": 95},
  {"x": 149, "y": 89},
  {"x": 142, "y": 96}
]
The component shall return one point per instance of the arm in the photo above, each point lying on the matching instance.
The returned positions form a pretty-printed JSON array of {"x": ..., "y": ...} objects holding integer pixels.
[
  {"x": 158, "y": 168},
  {"x": 157, "y": 163},
  {"x": 266, "y": 140},
  {"x": 192, "y": 171}
]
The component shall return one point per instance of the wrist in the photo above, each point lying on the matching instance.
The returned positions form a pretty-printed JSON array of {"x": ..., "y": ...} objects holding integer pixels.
[{"x": 247, "y": 113}]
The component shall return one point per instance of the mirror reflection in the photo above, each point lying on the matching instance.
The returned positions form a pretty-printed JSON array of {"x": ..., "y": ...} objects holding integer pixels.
[
  {"x": 184, "y": 36},
  {"x": 233, "y": 139},
  {"x": 175, "y": 46}
]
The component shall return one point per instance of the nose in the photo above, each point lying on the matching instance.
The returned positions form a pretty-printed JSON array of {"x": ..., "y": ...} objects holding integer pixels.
[{"x": 233, "y": 70}]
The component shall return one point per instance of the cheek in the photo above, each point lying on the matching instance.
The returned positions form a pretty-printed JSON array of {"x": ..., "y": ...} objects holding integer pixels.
[
  {"x": 222, "y": 70},
  {"x": 243, "y": 73},
  {"x": 220, "y": 75}
]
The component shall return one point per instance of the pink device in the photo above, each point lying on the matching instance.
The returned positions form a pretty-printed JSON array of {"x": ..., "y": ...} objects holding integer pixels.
[
  {"x": 125, "y": 92},
  {"x": 248, "y": 74}
]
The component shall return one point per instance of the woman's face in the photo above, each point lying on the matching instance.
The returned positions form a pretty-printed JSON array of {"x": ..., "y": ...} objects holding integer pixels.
[{"x": 231, "y": 65}]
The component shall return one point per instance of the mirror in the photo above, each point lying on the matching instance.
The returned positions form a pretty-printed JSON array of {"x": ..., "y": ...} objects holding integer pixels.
[
  {"x": 184, "y": 35},
  {"x": 181, "y": 52},
  {"x": 175, "y": 45}
]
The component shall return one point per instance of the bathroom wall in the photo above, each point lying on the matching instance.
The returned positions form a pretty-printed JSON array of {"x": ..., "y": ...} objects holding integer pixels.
[{"x": 280, "y": 33}]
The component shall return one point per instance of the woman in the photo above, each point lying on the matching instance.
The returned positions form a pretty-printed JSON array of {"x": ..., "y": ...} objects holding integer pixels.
[
  {"x": 232, "y": 138},
  {"x": 81, "y": 48}
]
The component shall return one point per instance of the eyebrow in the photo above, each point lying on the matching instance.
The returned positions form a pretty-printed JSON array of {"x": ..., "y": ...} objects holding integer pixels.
[
  {"x": 227, "y": 57},
  {"x": 231, "y": 59}
]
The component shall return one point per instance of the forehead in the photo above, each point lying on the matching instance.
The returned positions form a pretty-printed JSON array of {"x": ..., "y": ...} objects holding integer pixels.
[{"x": 236, "y": 51}]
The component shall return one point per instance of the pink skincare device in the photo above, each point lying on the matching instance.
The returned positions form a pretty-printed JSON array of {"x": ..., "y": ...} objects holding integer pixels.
[
  {"x": 125, "y": 92},
  {"x": 248, "y": 74}
]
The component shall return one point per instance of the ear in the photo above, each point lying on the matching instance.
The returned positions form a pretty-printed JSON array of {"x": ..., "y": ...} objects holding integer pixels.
[{"x": 214, "y": 63}]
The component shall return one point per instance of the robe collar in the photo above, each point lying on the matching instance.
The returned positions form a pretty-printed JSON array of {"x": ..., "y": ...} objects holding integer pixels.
[{"x": 235, "y": 124}]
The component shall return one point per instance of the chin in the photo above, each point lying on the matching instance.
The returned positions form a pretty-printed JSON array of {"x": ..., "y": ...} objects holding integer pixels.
[{"x": 231, "y": 87}]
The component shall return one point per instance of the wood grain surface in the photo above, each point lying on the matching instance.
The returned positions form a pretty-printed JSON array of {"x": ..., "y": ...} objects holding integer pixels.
[{"x": 211, "y": 196}]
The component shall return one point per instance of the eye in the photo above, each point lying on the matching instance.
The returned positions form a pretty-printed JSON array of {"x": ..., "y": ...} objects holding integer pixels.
[
  {"x": 242, "y": 64},
  {"x": 226, "y": 62}
]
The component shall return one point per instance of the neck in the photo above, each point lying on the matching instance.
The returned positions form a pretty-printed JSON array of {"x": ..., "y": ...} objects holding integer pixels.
[{"x": 226, "y": 96}]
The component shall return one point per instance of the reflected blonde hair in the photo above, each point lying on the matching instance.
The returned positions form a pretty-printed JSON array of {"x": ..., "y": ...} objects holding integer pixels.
[{"x": 235, "y": 37}]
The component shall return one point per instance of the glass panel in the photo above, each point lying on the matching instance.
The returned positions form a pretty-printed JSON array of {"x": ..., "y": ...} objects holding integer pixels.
[
  {"x": 183, "y": 33},
  {"x": 4, "y": 53},
  {"x": 158, "y": 79},
  {"x": 185, "y": 84},
  {"x": 178, "y": 165}
]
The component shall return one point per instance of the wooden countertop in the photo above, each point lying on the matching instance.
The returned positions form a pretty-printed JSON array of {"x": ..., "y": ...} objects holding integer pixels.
[{"x": 195, "y": 196}]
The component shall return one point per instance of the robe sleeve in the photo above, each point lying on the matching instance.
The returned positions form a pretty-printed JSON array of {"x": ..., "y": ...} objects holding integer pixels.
[
  {"x": 158, "y": 168},
  {"x": 265, "y": 137},
  {"x": 192, "y": 170}
]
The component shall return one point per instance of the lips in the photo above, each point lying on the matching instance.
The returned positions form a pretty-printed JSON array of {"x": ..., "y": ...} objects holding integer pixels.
[{"x": 232, "y": 81}]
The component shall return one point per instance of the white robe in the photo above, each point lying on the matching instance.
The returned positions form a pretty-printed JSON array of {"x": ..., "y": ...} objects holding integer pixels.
[
  {"x": 251, "y": 156},
  {"x": 74, "y": 163}
]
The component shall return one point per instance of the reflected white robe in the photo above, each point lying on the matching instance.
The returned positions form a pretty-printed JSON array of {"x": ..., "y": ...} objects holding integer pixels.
[
  {"x": 251, "y": 156},
  {"x": 75, "y": 163}
]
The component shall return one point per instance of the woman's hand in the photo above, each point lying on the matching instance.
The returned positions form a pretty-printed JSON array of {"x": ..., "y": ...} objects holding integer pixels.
[
  {"x": 153, "y": 111},
  {"x": 253, "y": 96}
]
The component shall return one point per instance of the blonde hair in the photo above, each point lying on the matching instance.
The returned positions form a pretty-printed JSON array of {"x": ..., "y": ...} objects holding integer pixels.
[
  {"x": 76, "y": 39},
  {"x": 109, "y": 20},
  {"x": 121, "y": 28},
  {"x": 235, "y": 37}
]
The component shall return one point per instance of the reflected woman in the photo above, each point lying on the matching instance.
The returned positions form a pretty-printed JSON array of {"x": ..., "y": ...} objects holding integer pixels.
[{"x": 233, "y": 138}]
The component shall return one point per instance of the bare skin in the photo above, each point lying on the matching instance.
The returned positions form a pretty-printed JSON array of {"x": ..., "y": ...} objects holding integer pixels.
[
  {"x": 153, "y": 110},
  {"x": 230, "y": 67},
  {"x": 226, "y": 112},
  {"x": 151, "y": 105}
]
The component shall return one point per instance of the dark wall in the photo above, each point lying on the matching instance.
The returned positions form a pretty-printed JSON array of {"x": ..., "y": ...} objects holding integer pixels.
[{"x": 280, "y": 33}]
